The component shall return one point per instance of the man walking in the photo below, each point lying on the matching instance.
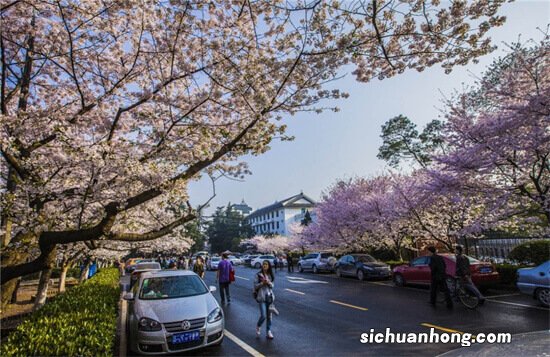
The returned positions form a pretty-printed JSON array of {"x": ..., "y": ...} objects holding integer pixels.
[
  {"x": 290, "y": 266},
  {"x": 223, "y": 277},
  {"x": 463, "y": 272},
  {"x": 439, "y": 283}
]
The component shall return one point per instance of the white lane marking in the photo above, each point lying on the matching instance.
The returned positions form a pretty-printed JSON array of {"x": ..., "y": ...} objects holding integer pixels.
[
  {"x": 497, "y": 296},
  {"x": 240, "y": 277},
  {"x": 297, "y": 280},
  {"x": 294, "y": 291},
  {"x": 243, "y": 345},
  {"x": 520, "y": 305}
]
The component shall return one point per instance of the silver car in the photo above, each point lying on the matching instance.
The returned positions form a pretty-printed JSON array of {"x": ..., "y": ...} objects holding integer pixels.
[
  {"x": 536, "y": 282},
  {"x": 317, "y": 262},
  {"x": 172, "y": 311}
]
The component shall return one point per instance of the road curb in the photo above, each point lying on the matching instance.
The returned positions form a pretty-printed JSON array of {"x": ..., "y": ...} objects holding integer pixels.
[{"x": 123, "y": 308}]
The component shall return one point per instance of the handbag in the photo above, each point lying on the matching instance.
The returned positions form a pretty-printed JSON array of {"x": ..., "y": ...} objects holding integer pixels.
[{"x": 231, "y": 275}]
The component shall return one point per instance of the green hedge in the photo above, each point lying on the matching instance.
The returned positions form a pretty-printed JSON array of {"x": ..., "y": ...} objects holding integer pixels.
[
  {"x": 507, "y": 273},
  {"x": 81, "y": 322},
  {"x": 394, "y": 263},
  {"x": 532, "y": 252}
]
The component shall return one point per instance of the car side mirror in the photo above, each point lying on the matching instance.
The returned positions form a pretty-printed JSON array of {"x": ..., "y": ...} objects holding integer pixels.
[
  {"x": 129, "y": 296},
  {"x": 541, "y": 273},
  {"x": 212, "y": 288}
]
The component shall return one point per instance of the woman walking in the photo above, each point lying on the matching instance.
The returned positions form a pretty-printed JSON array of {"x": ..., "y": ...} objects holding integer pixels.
[
  {"x": 198, "y": 267},
  {"x": 263, "y": 291}
]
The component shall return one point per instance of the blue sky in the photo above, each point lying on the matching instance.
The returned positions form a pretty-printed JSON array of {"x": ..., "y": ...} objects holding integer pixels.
[{"x": 332, "y": 146}]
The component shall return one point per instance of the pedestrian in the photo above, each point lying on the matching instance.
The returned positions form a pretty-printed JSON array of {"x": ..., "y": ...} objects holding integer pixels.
[
  {"x": 198, "y": 267},
  {"x": 263, "y": 293},
  {"x": 439, "y": 278},
  {"x": 172, "y": 265},
  {"x": 464, "y": 274},
  {"x": 190, "y": 263},
  {"x": 281, "y": 263},
  {"x": 274, "y": 264},
  {"x": 290, "y": 266},
  {"x": 223, "y": 277}
]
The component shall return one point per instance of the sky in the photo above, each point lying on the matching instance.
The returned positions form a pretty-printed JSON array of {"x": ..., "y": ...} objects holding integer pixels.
[{"x": 332, "y": 146}]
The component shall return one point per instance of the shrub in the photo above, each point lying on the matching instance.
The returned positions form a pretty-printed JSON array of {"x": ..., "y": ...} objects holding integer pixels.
[
  {"x": 394, "y": 263},
  {"x": 532, "y": 252},
  {"x": 507, "y": 273},
  {"x": 80, "y": 322}
]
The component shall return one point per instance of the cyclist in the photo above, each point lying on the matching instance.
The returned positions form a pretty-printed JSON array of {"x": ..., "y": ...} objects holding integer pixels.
[
  {"x": 438, "y": 268},
  {"x": 464, "y": 274}
]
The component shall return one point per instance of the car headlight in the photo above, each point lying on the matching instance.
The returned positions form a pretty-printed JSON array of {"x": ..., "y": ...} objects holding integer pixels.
[
  {"x": 147, "y": 324},
  {"x": 368, "y": 268},
  {"x": 215, "y": 315}
]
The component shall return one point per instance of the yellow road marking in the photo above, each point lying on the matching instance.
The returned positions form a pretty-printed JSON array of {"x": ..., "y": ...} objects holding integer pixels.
[
  {"x": 441, "y": 328},
  {"x": 242, "y": 344},
  {"x": 348, "y": 305},
  {"x": 447, "y": 330},
  {"x": 294, "y": 291}
]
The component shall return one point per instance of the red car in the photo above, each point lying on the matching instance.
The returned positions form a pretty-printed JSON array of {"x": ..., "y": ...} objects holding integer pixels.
[{"x": 418, "y": 271}]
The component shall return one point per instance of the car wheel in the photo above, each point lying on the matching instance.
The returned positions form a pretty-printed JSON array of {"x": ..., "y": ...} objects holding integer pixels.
[
  {"x": 315, "y": 270},
  {"x": 338, "y": 272},
  {"x": 360, "y": 275},
  {"x": 257, "y": 265},
  {"x": 543, "y": 296},
  {"x": 398, "y": 280},
  {"x": 300, "y": 269}
]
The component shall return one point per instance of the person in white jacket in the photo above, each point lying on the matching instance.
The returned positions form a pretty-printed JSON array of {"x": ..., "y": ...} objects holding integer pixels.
[{"x": 263, "y": 288}]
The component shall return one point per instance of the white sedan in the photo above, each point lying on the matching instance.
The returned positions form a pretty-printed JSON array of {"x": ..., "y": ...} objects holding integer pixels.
[{"x": 172, "y": 311}]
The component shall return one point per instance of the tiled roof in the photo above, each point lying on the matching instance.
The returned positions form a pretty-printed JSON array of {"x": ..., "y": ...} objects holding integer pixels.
[{"x": 278, "y": 205}]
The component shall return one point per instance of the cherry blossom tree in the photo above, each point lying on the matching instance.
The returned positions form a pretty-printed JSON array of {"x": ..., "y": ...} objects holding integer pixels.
[
  {"x": 110, "y": 108},
  {"x": 498, "y": 136}
]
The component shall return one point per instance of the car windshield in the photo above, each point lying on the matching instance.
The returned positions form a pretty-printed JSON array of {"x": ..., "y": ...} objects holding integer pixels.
[
  {"x": 364, "y": 259},
  {"x": 325, "y": 255},
  {"x": 171, "y": 287},
  {"x": 215, "y": 259}
]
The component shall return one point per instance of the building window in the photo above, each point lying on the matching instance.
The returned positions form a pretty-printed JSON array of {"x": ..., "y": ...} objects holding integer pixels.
[{"x": 277, "y": 224}]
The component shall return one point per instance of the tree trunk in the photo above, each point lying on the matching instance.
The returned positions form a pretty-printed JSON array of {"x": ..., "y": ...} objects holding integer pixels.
[
  {"x": 63, "y": 277},
  {"x": 42, "y": 292},
  {"x": 15, "y": 290},
  {"x": 7, "y": 292},
  {"x": 84, "y": 273},
  {"x": 10, "y": 257}
]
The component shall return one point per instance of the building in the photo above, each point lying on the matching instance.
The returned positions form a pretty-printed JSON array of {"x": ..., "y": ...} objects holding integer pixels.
[
  {"x": 242, "y": 207},
  {"x": 277, "y": 218}
]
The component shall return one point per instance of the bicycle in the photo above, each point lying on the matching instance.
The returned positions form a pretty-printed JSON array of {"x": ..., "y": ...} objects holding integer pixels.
[{"x": 459, "y": 292}]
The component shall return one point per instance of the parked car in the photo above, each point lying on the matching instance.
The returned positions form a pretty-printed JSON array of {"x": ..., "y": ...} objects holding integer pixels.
[
  {"x": 257, "y": 262},
  {"x": 362, "y": 266},
  {"x": 317, "y": 262},
  {"x": 131, "y": 264},
  {"x": 142, "y": 267},
  {"x": 418, "y": 271},
  {"x": 172, "y": 311},
  {"x": 246, "y": 260},
  {"x": 536, "y": 282},
  {"x": 234, "y": 260},
  {"x": 213, "y": 263}
]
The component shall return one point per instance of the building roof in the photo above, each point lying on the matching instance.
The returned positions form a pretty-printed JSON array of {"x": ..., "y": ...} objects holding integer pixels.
[{"x": 296, "y": 201}]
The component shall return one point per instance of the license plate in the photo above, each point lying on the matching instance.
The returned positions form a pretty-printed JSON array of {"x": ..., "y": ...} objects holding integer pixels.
[
  {"x": 485, "y": 270},
  {"x": 186, "y": 337}
]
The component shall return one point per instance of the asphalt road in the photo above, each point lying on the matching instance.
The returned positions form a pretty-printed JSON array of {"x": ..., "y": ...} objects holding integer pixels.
[{"x": 324, "y": 315}]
